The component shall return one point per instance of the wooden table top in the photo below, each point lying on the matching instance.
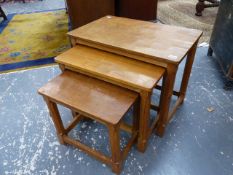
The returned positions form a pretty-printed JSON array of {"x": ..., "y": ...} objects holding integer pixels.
[
  {"x": 134, "y": 37},
  {"x": 111, "y": 67},
  {"x": 101, "y": 100}
]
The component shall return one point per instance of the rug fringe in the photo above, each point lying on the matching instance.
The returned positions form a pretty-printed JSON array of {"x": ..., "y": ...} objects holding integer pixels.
[{"x": 28, "y": 68}]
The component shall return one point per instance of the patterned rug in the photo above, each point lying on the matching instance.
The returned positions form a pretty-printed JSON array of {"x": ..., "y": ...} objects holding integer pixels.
[
  {"x": 33, "y": 39},
  {"x": 182, "y": 13}
]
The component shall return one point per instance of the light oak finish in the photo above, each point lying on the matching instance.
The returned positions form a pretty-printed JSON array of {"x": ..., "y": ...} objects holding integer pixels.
[
  {"x": 86, "y": 94},
  {"x": 111, "y": 67},
  {"x": 142, "y": 40},
  {"x": 157, "y": 44},
  {"x": 125, "y": 72},
  {"x": 97, "y": 100}
]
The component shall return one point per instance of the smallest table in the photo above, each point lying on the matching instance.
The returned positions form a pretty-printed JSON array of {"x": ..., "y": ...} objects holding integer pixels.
[{"x": 97, "y": 100}]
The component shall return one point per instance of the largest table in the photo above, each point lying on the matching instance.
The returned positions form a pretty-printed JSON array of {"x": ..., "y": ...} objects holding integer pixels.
[{"x": 157, "y": 44}]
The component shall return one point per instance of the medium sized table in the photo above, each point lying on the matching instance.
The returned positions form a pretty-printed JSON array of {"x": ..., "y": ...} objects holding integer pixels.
[
  {"x": 157, "y": 44},
  {"x": 128, "y": 73}
]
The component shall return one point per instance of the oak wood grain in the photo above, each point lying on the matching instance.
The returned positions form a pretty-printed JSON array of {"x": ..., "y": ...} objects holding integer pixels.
[
  {"x": 140, "y": 39},
  {"x": 97, "y": 99},
  {"x": 112, "y": 67}
]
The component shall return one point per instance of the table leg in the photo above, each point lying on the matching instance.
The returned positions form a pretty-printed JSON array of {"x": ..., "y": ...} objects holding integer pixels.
[
  {"x": 167, "y": 91},
  {"x": 145, "y": 101},
  {"x": 114, "y": 137},
  {"x": 165, "y": 98},
  {"x": 54, "y": 113},
  {"x": 62, "y": 67},
  {"x": 187, "y": 72},
  {"x": 72, "y": 41}
]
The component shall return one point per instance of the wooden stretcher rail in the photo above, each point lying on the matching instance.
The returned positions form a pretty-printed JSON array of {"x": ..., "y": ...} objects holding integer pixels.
[
  {"x": 87, "y": 149},
  {"x": 73, "y": 123},
  {"x": 176, "y": 93}
]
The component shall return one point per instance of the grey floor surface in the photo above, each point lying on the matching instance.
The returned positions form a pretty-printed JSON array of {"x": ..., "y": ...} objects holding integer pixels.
[
  {"x": 196, "y": 141},
  {"x": 11, "y": 7}
]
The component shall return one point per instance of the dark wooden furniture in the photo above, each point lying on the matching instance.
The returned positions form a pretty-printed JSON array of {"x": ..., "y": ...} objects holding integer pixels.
[
  {"x": 2, "y": 14},
  {"x": 93, "y": 99},
  {"x": 221, "y": 41},
  {"x": 201, "y": 5},
  {"x": 82, "y": 12},
  {"x": 122, "y": 71},
  {"x": 137, "y": 9},
  {"x": 156, "y": 44}
]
